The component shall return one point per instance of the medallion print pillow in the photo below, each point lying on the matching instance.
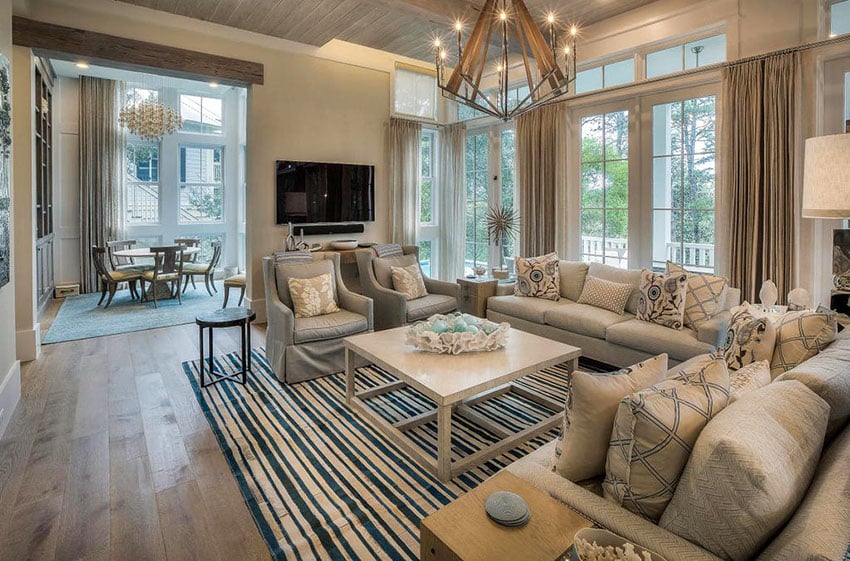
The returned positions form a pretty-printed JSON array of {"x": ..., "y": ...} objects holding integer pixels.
[
  {"x": 661, "y": 298},
  {"x": 538, "y": 277},
  {"x": 313, "y": 297},
  {"x": 749, "y": 338}
]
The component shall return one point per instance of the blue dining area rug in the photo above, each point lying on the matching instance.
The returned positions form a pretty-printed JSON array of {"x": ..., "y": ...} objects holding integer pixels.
[{"x": 80, "y": 317}]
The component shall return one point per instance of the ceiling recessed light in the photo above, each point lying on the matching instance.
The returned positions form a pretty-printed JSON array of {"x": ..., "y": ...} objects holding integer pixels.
[
  {"x": 213, "y": 85},
  {"x": 82, "y": 65}
]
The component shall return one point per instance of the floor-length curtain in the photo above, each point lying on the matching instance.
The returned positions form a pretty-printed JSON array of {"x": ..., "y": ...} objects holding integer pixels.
[
  {"x": 101, "y": 159},
  {"x": 758, "y": 149},
  {"x": 405, "y": 139},
  {"x": 452, "y": 183},
  {"x": 541, "y": 147}
]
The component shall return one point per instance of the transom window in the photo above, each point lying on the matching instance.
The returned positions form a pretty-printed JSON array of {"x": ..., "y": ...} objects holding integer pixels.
[
  {"x": 693, "y": 54},
  {"x": 201, "y": 114},
  {"x": 839, "y": 18},
  {"x": 605, "y": 188},
  {"x": 605, "y": 76},
  {"x": 415, "y": 93}
]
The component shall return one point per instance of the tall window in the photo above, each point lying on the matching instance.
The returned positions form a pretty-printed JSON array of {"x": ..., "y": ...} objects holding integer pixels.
[
  {"x": 201, "y": 114},
  {"x": 477, "y": 243},
  {"x": 427, "y": 231},
  {"x": 201, "y": 185},
  {"x": 507, "y": 188},
  {"x": 605, "y": 188},
  {"x": 695, "y": 54},
  {"x": 683, "y": 183},
  {"x": 142, "y": 182},
  {"x": 839, "y": 18}
]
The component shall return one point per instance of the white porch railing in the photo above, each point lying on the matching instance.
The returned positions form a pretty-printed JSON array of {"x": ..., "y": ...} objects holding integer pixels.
[
  {"x": 142, "y": 203},
  {"x": 616, "y": 252}
]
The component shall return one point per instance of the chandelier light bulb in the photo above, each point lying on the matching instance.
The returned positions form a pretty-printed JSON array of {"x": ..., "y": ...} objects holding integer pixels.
[
  {"x": 503, "y": 15},
  {"x": 550, "y": 18},
  {"x": 437, "y": 43},
  {"x": 574, "y": 31},
  {"x": 567, "y": 50},
  {"x": 458, "y": 25},
  {"x": 443, "y": 54}
]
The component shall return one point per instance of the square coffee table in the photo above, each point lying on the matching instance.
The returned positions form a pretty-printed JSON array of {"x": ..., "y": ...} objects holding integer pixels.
[{"x": 455, "y": 383}]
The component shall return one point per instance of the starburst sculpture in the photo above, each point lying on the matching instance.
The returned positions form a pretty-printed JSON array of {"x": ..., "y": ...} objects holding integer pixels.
[
  {"x": 150, "y": 119},
  {"x": 502, "y": 223}
]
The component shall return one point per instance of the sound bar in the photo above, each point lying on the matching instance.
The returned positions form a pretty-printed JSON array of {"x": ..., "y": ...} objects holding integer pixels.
[{"x": 327, "y": 229}]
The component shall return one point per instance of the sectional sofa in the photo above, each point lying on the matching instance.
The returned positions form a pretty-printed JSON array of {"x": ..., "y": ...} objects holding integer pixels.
[{"x": 619, "y": 340}]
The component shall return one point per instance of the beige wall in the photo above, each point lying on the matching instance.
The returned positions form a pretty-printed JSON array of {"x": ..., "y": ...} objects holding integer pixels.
[{"x": 10, "y": 379}]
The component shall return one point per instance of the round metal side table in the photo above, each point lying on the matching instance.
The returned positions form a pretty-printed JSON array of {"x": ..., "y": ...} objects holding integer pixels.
[{"x": 227, "y": 317}]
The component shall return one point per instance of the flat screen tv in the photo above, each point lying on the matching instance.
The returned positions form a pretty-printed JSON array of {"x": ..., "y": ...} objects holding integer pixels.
[{"x": 323, "y": 193}]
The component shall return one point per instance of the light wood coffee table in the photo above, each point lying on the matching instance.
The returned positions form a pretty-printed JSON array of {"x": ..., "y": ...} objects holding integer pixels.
[{"x": 455, "y": 383}]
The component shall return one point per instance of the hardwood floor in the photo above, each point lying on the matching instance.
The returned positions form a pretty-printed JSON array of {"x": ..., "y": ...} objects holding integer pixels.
[{"x": 108, "y": 456}]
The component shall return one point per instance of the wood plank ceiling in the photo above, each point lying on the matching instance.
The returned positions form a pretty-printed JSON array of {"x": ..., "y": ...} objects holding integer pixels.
[{"x": 404, "y": 27}]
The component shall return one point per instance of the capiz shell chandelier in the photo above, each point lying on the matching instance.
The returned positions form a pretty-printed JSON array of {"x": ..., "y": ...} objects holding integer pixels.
[
  {"x": 150, "y": 120},
  {"x": 525, "y": 55}
]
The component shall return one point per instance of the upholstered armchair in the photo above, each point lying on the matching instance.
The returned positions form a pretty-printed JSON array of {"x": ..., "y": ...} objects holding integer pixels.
[
  {"x": 301, "y": 349},
  {"x": 392, "y": 309}
]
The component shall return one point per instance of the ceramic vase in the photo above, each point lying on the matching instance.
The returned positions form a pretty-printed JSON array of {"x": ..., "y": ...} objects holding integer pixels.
[{"x": 768, "y": 294}]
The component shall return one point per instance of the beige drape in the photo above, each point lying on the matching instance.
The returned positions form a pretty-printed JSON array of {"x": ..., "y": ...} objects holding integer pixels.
[
  {"x": 541, "y": 145},
  {"x": 101, "y": 171},
  {"x": 452, "y": 182},
  {"x": 758, "y": 150},
  {"x": 404, "y": 158}
]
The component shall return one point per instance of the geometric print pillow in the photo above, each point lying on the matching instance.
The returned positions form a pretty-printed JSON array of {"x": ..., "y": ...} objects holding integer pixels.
[
  {"x": 605, "y": 294},
  {"x": 750, "y": 338},
  {"x": 662, "y": 298},
  {"x": 705, "y": 292},
  {"x": 800, "y": 336},
  {"x": 313, "y": 297},
  {"x": 538, "y": 277},
  {"x": 654, "y": 432}
]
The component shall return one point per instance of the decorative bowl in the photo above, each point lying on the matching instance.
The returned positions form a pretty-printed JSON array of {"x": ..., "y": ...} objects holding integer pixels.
[
  {"x": 480, "y": 271},
  {"x": 605, "y": 539},
  {"x": 457, "y": 333},
  {"x": 500, "y": 274},
  {"x": 344, "y": 244}
]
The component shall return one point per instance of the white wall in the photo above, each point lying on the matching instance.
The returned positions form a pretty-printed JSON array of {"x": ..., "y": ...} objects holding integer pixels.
[{"x": 10, "y": 373}]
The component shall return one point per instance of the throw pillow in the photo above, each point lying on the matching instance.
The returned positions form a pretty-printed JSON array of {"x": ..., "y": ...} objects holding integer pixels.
[
  {"x": 750, "y": 337},
  {"x": 741, "y": 486},
  {"x": 800, "y": 336},
  {"x": 408, "y": 280},
  {"x": 654, "y": 432},
  {"x": 751, "y": 377},
  {"x": 592, "y": 401},
  {"x": 538, "y": 277},
  {"x": 662, "y": 298},
  {"x": 313, "y": 297},
  {"x": 705, "y": 293},
  {"x": 605, "y": 294}
]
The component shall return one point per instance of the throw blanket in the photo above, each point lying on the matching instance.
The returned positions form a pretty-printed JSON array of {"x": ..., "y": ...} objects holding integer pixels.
[
  {"x": 293, "y": 256},
  {"x": 388, "y": 250}
]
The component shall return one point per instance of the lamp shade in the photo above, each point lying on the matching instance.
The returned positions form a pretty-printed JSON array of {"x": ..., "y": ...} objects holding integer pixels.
[{"x": 826, "y": 177}]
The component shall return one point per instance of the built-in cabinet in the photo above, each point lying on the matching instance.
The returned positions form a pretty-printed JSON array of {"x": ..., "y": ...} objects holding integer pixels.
[{"x": 43, "y": 97}]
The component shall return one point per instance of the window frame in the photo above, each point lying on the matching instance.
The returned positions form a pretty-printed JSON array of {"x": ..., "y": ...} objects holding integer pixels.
[
  {"x": 138, "y": 141},
  {"x": 181, "y": 184},
  {"x": 181, "y": 93},
  {"x": 430, "y": 231}
]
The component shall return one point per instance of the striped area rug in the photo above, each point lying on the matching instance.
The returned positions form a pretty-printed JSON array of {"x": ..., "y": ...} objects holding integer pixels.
[{"x": 322, "y": 483}]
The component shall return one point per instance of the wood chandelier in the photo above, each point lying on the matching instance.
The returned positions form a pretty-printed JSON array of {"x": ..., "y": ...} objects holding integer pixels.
[{"x": 547, "y": 68}]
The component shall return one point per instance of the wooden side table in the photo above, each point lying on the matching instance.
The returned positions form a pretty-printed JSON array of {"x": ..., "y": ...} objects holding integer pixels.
[
  {"x": 474, "y": 294},
  {"x": 463, "y": 531}
]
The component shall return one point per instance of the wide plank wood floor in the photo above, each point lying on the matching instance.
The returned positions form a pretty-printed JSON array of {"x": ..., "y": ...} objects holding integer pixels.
[{"x": 108, "y": 456}]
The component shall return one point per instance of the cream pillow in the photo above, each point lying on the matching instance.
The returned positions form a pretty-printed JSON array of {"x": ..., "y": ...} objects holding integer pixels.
[
  {"x": 408, "y": 280},
  {"x": 705, "y": 293},
  {"x": 749, "y": 470},
  {"x": 654, "y": 432},
  {"x": 605, "y": 294},
  {"x": 538, "y": 277},
  {"x": 661, "y": 299},
  {"x": 750, "y": 337},
  {"x": 800, "y": 336},
  {"x": 313, "y": 297},
  {"x": 592, "y": 401},
  {"x": 751, "y": 377}
]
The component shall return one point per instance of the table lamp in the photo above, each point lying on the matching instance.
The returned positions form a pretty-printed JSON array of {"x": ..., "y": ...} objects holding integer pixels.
[{"x": 826, "y": 194}]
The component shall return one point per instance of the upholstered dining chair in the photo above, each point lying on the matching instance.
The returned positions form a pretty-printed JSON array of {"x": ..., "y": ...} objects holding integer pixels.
[
  {"x": 392, "y": 308},
  {"x": 300, "y": 349},
  {"x": 207, "y": 270},
  {"x": 167, "y": 268},
  {"x": 109, "y": 280},
  {"x": 189, "y": 242}
]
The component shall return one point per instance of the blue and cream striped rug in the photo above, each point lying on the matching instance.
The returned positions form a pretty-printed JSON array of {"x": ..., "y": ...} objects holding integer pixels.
[{"x": 322, "y": 483}]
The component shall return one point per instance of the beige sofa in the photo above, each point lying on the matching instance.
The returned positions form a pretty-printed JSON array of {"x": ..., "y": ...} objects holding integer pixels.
[{"x": 619, "y": 340}]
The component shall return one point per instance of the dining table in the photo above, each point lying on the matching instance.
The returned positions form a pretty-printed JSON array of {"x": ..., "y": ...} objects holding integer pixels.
[{"x": 163, "y": 290}]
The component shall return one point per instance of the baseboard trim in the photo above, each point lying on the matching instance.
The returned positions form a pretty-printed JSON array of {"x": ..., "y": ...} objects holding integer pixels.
[
  {"x": 28, "y": 343},
  {"x": 258, "y": 305},
  {"x": 10, "y": 395}
]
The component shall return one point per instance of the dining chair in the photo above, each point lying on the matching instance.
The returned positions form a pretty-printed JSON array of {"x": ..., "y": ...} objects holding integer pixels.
[
  {"x": 109, "y": 280},
  {"x": 190, "y": 270},
  {"x": 168, "y": 268},
  {"x": 189, "y": 242}
]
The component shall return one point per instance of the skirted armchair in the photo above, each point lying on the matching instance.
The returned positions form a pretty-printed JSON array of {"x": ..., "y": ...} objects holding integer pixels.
[
  {"x": 392, "y": 309},
  {"x": 300, "y": 349}
]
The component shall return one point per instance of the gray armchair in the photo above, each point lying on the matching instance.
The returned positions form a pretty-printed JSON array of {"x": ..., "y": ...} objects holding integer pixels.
[
  {"x": 301, "y": 349},
  {"x": 392, "y": 309}
]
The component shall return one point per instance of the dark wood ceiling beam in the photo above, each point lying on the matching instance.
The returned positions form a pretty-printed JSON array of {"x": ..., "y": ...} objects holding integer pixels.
[{"x": 98, "y": 48}]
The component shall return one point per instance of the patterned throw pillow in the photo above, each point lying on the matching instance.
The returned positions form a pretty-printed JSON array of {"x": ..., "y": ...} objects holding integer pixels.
[
  {"x": 313, "y": 297},
  {"x": 654, "y": 432},
  {"x": 749, "y": 338},
  {"x": 800, "y": 336},
  {"x": 662, "y": 298},
  {"x": 605, "y": 294},
  {"x": 538, "y": 277},
  {"x": 408, "y": 280},
  {"x": 751, "y": 377},
  {"x": 592, "y": 401},
  {"x": 705, "y": 292}
]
